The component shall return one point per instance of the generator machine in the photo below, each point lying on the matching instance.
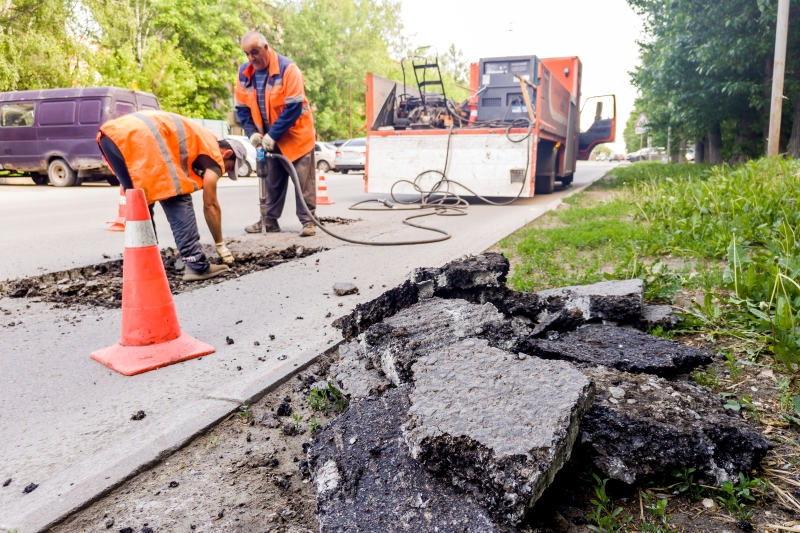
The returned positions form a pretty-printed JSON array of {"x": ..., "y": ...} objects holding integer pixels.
[{"x": 518, "y": 134}]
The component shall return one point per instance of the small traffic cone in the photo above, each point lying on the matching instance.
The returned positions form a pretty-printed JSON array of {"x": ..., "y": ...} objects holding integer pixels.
[
  {"x": 151, "y": 336},
  {"x": 119, "y": 223},
  {"x": 322, "y": 192}
]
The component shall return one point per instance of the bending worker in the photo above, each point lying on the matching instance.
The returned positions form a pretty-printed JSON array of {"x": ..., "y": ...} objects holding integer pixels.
[
  {"x": 274, "y": 112},
  {"x": 170, "y": 157}
]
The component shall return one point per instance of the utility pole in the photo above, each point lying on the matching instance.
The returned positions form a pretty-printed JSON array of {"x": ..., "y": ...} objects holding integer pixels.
[
  {"x": 350, "y": 100},
  {"x": 781, "y": 33},
  {"x": 669, "y": 144}
]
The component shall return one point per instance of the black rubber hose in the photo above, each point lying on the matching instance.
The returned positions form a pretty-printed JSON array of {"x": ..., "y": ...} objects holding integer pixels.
[{"x": 293, "y": 173}]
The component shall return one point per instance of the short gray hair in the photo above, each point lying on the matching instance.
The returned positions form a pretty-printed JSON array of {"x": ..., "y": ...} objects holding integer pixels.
[{"x": 262, "y": 41}]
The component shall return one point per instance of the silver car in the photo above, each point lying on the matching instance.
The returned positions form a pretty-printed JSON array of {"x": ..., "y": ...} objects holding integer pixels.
[{"x": 352, "y": 155}]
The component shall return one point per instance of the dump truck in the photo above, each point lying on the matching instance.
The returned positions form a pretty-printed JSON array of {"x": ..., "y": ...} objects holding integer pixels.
[{"x": 517, "y": 135}]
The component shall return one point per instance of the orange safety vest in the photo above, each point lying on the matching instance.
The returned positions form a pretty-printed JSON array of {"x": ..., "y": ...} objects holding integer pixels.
[
  {"x": 159, "y": 149},
  {"x": 285, "y": 82}
]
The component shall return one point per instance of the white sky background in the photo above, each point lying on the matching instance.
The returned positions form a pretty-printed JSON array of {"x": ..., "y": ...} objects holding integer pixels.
[{"x": 602, "y": 33}]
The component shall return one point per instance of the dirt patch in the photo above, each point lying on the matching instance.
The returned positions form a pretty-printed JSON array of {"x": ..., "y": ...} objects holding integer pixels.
[
  {"x": 101, "y": 284},
  {"x": 248, "y": 474},
  {"x": 338, "y": 220}
]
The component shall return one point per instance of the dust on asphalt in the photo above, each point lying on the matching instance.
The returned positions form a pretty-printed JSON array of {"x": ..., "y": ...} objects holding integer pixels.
[
  {"x": 101, "y": 284},
  {"x": 247, "y": 474}
]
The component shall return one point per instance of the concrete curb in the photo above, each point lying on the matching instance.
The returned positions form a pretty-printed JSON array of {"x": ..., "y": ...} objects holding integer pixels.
[{"x": 230, "y": 397}]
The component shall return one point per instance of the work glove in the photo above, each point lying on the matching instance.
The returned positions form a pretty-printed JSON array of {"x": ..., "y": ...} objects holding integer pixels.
[
  {"x": 224, "y": 253},
  {"x": 268, "y": 143},
  {"x": 255, "y": 139}
]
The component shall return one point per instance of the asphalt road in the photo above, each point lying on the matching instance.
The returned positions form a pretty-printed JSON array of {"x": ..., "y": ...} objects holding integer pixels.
[{"x": 65, "y": 419}]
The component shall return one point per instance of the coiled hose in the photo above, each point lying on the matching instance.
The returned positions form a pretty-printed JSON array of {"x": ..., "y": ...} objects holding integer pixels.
[{"x": 449, "y": 204}]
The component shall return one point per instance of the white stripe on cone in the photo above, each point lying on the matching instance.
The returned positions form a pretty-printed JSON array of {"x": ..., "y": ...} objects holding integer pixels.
[
  {"x": 139, "y": 234},
  {"x": 122, "y": 200}
]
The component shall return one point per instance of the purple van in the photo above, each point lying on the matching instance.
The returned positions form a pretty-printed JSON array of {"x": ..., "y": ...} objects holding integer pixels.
[{"x": 52, "y": 134}]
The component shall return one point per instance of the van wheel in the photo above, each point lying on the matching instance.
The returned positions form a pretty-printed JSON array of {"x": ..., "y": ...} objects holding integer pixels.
[
  {"x": 113, "y": 181},
  {"x": 40, "y": 179},
  {"x": 323, "y": 166},
  {"x": 61, "y": 174}
]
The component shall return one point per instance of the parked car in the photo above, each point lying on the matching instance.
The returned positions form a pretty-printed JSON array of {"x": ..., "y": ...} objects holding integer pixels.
[
  {"x": 52, "y": 134},
  {"x": 690, "y": 154},
  {"x": 325, "y": 156},
  {"x": 250, "y": 163},
  {"x": 601, "y": 157},
  {"x": 339, "y": 142},
  {"x": 352, "y": 155}
]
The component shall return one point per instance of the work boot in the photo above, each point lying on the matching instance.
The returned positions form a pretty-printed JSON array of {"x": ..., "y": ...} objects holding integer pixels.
[
  {"x": 212, "y": 271},
  {"x": 309, "y": 230},
  {"x": 272, "y": 227}
]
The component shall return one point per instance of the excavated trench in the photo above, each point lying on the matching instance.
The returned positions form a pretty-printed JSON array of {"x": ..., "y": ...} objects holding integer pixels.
[{"x": 100, "y": 284}]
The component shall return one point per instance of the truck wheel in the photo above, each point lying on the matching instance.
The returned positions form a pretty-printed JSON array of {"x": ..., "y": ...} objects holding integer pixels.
[
  {"x": 40, "y": 179},
  {"x": 61, "y": 174},
  {"x": 545, "y": 184},
  {"x": 566, "y": 181},
  {"x": 113, "y": 181}
]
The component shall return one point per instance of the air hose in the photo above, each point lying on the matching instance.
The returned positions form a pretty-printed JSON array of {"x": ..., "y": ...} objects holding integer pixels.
[{"x": 296, "y": 180}]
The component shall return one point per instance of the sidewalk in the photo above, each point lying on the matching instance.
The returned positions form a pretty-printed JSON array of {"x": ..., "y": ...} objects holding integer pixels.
[{"x": 66, "y": 420}]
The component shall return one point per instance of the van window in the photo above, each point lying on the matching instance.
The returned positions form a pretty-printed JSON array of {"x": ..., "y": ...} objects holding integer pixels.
[
  {"x": 14, "y": 115},
  {"x": 57, "y": 113},
  {"x": 124, "y": 108},
  {"x": 90, "y": 112}
]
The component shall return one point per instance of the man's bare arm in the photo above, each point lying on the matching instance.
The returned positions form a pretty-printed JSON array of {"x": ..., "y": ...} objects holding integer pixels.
[{"x": 211, "y": 208}]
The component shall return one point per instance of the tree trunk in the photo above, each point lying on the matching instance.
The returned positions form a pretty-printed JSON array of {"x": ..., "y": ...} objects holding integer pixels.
[
  {"x": 766, "y": 95},
  {"x": 715, "y": 146},
  {"x": 699, "y": 151},
  {"x": 794, "y": 139},
  {"x": 680, "y": 157}
]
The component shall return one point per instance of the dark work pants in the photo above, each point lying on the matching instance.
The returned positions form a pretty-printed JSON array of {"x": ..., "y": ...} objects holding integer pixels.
[
  {"x": 278, "y": 180},
  {"x": 179, "y": 210}
]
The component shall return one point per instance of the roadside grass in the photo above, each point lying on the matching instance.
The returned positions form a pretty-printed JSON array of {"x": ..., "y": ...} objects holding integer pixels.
[{"x": 721, "y": 245}]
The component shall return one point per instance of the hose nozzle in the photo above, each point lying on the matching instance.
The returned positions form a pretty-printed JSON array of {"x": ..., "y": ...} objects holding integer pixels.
[{"x": 387, "y": 203}]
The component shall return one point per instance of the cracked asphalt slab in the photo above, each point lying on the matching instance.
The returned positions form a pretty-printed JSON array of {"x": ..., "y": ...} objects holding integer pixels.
[{"x": 67, "y": 419}]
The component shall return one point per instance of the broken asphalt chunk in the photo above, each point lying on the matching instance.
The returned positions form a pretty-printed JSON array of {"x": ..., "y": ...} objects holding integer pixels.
[
  {"x": 388, "y": 492},
  {"x": 139, "y": 415},
  {"x": 343, "y": 289},
  {"x": 497, "y": 427},
  {"x": 356, "y": 375},
  {"x": 649, "y": 425},
  {"x": 625, "y": 349},
  {"x": 30, "y": 488},
  {"x": 617, "y": 301}
]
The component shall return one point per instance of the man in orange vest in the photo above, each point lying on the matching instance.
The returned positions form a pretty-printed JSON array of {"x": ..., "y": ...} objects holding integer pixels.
[
  {"x": 274, "y": 112},
  {"x": 170, "y": 157}
]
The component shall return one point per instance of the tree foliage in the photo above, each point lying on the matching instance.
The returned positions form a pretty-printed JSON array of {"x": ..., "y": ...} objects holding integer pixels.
[{"x": 706, "y": 70}]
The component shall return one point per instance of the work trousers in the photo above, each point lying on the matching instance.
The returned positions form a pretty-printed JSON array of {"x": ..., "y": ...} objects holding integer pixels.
[
  {"x": 179, "y": 210},
  {"x": 277, "y": 179}
]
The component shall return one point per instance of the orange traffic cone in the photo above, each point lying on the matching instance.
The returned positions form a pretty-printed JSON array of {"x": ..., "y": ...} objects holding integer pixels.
[
  {"x": 151, "y": 336},
  {"x": 119, "y": 223},
  {"x": 322, "y": 192}
]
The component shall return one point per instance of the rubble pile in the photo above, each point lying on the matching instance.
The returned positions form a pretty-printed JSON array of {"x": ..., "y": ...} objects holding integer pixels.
[
  {"x": 468, "y": 397},
  {"x": 101, "y": 284}
]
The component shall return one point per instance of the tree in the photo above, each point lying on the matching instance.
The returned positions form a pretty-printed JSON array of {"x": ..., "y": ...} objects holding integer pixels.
[
  {"x": 335, "y": 43},
  {"x": 39, "y": 47},
  {"x": 705, "y": 67},
  {"x": 184, "y": 53}
]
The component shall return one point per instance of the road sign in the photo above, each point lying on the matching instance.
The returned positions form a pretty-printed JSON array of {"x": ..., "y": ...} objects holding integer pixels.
[{"x": 641, "y": 125}]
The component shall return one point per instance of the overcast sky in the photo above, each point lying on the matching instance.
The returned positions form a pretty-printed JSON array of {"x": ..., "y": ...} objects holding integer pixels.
[{"x": 602, "y": 33}]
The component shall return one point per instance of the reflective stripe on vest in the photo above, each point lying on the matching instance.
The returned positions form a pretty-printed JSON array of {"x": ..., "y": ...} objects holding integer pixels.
[
  {"x": 181, "y": 143},
  {"x": 163, "y": 147}
]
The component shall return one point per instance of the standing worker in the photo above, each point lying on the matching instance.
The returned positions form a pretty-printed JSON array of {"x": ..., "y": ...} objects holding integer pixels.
[
  {"x": 170, "y": 157},
  {"x": 272, "y": 107}
]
